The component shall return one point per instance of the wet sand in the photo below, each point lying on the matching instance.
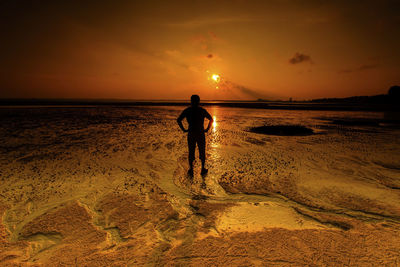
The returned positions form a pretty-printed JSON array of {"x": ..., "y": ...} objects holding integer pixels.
[{"x": 101, "y": 186}]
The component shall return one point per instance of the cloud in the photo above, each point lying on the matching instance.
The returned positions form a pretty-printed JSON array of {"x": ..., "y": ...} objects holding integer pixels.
[
  {"x": 206, "y": 42},
  {"x": 205, "y": 22},
  {"x": 250, "y": 92},
  {"x": 366, "y": 67},
  {"x": 360, "y": 68},
  {"x": 174, "y": 57},
  {"x": 300, "y": 58},
  {"x": 237, "y": 88}
]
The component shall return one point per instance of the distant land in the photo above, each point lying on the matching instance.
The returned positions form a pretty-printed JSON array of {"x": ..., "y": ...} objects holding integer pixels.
[{"x": 382, "y": 102}]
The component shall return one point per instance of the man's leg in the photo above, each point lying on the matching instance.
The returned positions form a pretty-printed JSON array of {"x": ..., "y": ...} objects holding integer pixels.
[
  {"x": 191, "y": 146},
  {"x": 201, "y": 141}
]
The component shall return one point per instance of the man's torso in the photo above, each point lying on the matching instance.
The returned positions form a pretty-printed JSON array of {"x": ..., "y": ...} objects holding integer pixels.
[{"x": 195, "y": 118}]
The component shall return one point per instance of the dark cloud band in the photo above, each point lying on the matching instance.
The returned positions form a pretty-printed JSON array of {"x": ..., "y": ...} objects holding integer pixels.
[{"x": 300, "y": 58}]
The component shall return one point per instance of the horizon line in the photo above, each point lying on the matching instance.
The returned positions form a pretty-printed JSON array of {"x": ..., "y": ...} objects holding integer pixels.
[{"x": 289, "y": 99}]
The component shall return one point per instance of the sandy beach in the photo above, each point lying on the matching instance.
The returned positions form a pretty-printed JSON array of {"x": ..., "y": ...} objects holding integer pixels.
[{"x": 108, "y": 186}]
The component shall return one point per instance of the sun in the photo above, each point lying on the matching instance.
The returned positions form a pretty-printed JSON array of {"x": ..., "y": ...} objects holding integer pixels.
[{"x": 216, "y": 78}]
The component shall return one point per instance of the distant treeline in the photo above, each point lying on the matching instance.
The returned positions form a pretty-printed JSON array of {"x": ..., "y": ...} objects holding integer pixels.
[
  {"x": 392, "y": 97},
  {"x": 376, "y": 99}
]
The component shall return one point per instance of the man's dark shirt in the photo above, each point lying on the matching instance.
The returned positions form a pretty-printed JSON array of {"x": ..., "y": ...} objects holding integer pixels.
[{"x": 195, "y": 118}]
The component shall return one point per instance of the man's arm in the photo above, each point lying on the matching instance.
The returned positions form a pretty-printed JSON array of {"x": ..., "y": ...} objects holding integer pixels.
[
  {"x": 179, "y": 120},
  {"x": 210, "y": 120}
]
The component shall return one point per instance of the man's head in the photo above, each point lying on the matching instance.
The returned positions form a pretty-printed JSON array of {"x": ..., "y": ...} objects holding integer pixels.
[{"x": 195, "y": 100}]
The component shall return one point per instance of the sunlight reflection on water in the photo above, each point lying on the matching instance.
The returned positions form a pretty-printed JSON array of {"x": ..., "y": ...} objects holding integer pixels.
[
  {"x": 214, "y": 140},
  {"x": 214, "y": 125}
]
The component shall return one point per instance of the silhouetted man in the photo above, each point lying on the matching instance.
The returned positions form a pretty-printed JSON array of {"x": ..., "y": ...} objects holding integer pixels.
[{"x": 196, "y": 133}]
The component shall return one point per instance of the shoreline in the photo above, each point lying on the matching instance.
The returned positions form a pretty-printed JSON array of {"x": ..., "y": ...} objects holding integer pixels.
[{"x": 234, "y": 104}]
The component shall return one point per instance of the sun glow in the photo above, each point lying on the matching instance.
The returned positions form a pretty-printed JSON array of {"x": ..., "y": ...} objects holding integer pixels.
[{"x": 216, "y": 78}]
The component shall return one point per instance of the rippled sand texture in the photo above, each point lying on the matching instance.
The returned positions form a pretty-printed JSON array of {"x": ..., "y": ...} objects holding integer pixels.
[{"x": 108, "y": 187}]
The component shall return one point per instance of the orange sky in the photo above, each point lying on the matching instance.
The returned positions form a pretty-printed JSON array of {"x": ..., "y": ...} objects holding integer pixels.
[{"x": 168, "y": 49}]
